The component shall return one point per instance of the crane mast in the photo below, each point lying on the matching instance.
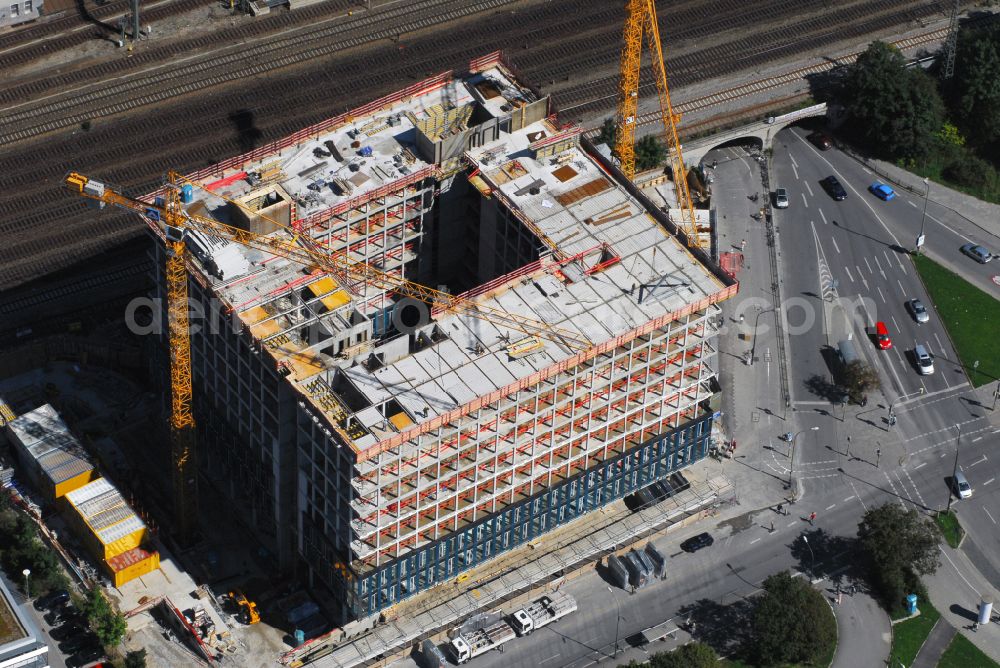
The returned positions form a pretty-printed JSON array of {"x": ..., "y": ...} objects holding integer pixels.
[{"x": 640, "y": 21}]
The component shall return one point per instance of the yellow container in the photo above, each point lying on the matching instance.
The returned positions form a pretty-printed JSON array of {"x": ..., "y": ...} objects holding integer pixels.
[{"x": 131, "y": 565}]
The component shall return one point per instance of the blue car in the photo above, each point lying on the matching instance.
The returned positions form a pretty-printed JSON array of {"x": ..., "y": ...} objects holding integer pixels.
[{"x": 882, "y": 191}]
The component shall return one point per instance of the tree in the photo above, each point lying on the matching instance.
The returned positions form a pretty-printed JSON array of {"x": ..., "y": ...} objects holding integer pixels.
[
  {"x": 858, "y": 379},
  {"x": 691, "y": 655},
  {"x": 792, "y": 623},
  {"x": 108, "y": 625},
  {"x": 608, "y": 133},
  {"x": 649, "y": 152},
  {"x": 975, "y": 89},
  {"x": 900, "y": 545},
  {"x": 136, "y": 659},
  {"x": 893, "y": 109}
]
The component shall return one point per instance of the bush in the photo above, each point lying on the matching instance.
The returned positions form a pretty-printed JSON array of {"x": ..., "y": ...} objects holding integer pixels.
[
  {"x": 691, "y": 655},
  {"x": 971, "y": 171},
  {"x": 792, "y": 623}
]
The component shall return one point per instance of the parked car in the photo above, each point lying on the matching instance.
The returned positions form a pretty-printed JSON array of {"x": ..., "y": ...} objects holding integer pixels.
[
  {"x": 52, "y": 599},
  {"x": 925, "y": 361},
  {"x": 882, "y": 336},
  {"x": 833, "y": 187},
  {"x": 918, "y": 310},
  {"x": 882, "y": 191},
  {"x": 978, "y": 253},
  {"x": 69, "y": 629},
  {"x": 79, "y": 643},
  {"x": 820, "y": 140},
  {"x": 698, "y": 542},
  {"x": 85, "y": 657},
  {"x": 780, "y": 199}
]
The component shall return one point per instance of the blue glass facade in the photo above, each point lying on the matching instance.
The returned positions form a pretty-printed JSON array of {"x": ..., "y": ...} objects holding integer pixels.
[{"x": 611, "y": 480}]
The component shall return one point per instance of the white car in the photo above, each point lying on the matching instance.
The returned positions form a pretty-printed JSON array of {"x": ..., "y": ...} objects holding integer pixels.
[
  {"x": 925, "y": 361},
  {"x": 780, "y": 199}
]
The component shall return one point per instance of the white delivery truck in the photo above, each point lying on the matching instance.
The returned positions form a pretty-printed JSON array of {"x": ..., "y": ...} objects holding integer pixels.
[
  {"x": 479, "y": 635},
  {"x": 542, "y": 612}
]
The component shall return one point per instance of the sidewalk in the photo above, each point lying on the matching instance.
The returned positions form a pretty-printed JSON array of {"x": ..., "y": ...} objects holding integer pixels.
[
  {"x": 956, "y": 590},
  {"x": 864, "y": 633},
  {"x": 935, "y": 645}
]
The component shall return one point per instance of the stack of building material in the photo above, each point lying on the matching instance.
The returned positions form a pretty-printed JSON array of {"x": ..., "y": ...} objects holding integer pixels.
[
  {"x": 51, "y": 456},
  {"x": 111, "y": 531}
]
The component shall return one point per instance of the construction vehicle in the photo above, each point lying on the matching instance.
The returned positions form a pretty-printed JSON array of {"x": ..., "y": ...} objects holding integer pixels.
[
  {"x": 542, "y": 612},
  {"x": 640, "y": 20},
  {"x": 479, "y": 635},
  {"x": 171, "y": 223},
  {"x": 247, "y": 609}
]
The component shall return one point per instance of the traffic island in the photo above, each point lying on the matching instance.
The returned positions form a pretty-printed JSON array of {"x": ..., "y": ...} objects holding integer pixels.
[
  {"x": 961, "y": 653},
  {"x": 950, "y": 528}
]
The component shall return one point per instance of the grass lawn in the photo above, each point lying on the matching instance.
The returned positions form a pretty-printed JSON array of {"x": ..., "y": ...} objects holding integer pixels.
[
  {"x": 961, "y": 653},
  {"x": 968, "y": 314},
  {"x": 908, "y": 636},
  {"x": 950, "y": 528}
]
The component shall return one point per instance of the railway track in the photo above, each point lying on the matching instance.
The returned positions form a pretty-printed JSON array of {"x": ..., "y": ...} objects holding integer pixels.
[{"x": 46, "y": 229}]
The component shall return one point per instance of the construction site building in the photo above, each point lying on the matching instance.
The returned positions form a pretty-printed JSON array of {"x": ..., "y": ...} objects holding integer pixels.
[
  {"x": 111, "y": 531},
  {"x": 51, "y": 456},
  {"x": 378, "y": 446}
]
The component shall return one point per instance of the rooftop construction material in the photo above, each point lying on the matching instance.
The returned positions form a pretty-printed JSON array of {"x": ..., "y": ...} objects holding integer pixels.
[
  {"x": 408, "y": 440},
  {"x": 52, "y": 456}
]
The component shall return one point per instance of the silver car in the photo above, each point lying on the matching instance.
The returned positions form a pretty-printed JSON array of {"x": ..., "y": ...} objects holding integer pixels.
[
  {"x": 925, "y": 361},
  {"x": 977, "y": 253},
  {"x": 918, "y": 310},
  {"x": 780, "y": 199}
]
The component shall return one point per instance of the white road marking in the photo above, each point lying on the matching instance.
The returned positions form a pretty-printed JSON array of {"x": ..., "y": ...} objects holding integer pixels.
[
  {"x": 848, "y": 498},
  {"x": 806, "y": 183},
  {"x": 805, "y": 202},
  {"x": 888, "y": 262},
  {"x": 755, "y": 540},
  {"x": 958, "y": 571},
  {"x": 865, "y": 170},
  {"x": 955, "y": 232},
  {"x": 912, "y": 204},
  {"x": 943, "y": 454},
  {"x": 894, "y": 323},
  {"x": 869, "y": 265},
  {"x": 880, "y": 269},
  {"x": 863, "y": 506},
  {"x": 822, "y": 215},
  {"x": 900, "y": 284},
  {"x": 880, "y": 294},
  {"x": 835, "y": 244},
  {"x": 977, "y": 438},
  {"x": 555, "y": 656},
  {"x": 848, "y": 270},
  {"x": 940, "y": 345},
  {"x": 793, "y": 523},
  {"x": 989, "y": 481},
  {"x": 920, "y": 465},
  {"x": 978, "y": 461},
  {"x": 831, "y": 506},
  {"x": 796, "y": 171},
  {"x": 988, "y": 514},
  {"x": 792, "y": 158}
]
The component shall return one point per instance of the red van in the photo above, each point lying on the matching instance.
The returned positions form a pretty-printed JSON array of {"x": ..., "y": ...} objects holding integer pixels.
[{"x": 882, "y": 336}]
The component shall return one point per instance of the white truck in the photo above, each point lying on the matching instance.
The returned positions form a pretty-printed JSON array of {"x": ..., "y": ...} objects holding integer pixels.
[
  {"x": 542, "y": 612},
  {"x": 478, "y": 636}
]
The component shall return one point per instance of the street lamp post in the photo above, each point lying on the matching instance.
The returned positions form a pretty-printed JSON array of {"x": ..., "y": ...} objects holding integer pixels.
[
  {"x": 27, "y": 589},
  {"x": 923, "y": 217},
  {"x": 791, "y": 456},
  {"x": 954, "y": 468},
  {"x": 812, "y": 557},
  {"x": 618, "y": 618}
]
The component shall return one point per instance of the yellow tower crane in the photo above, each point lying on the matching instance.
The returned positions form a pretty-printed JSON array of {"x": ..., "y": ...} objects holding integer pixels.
[
  {"x": 170, "y": 220},
  {"x": 640, "y": 21}
]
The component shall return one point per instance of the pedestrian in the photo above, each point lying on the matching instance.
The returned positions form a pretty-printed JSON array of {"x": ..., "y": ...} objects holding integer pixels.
[
  {"x": 812, "y": 518},
  {"x": 781, "y": 509},
  {"x": 772, "y": 528},
  {"x": 715, "y": 163},
  {"x": 742, "y": 317},
  {"x": 743, "y": 244}
]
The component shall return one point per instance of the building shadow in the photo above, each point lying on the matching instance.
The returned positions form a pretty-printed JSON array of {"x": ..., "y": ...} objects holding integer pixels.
[
  {"x": 727, "y": 628},
  {"x": 81, "y": 9},
  {"x": 247, "y": 133}
]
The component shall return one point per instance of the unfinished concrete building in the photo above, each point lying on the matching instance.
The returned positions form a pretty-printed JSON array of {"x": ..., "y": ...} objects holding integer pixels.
[{"x": 379, "y": 446}]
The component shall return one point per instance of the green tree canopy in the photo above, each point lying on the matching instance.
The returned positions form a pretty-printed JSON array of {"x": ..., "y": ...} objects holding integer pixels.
[
  {"x": 691, "y": 655},
  {"x": 899, "y": 545},
  {"x": 108, "y": 625},
  {"x": 649, "y": 152},
  {"x": 791, "y": 622},
  {"x": 136, "y": 659},
  {"x": 895, "y": 110},
  {"x": 858, "y": 379},
  {"x": 975, "y": 88},
  {"x": 608, "y": 133}
]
